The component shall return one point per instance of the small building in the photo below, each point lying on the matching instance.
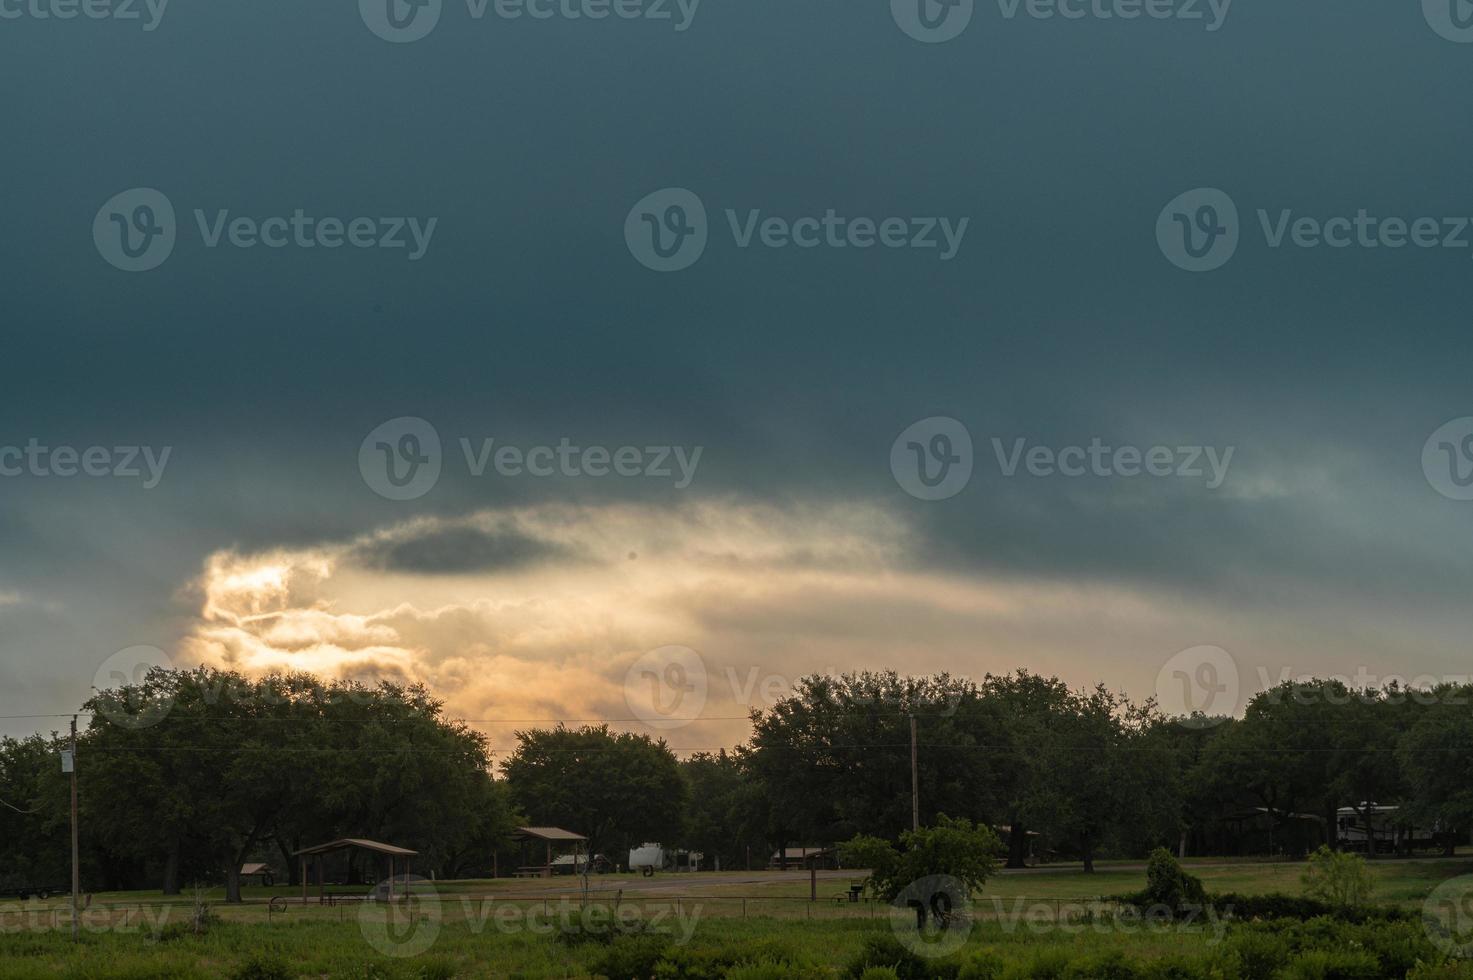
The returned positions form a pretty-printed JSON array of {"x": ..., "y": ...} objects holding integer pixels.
[
  {"x": 258, "y": 874},
  {"x": 397, "y": 857},
  {"x": 548, "y": 837}
]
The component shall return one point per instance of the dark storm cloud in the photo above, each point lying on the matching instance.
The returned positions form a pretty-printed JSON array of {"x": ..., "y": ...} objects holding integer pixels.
[
  {"x": 528, "y": 320},
  {"x": 459, "y": 550}
]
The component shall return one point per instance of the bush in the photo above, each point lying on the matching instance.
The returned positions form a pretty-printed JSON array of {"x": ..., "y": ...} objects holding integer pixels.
[
  {"x": 1044, "y": 964},
  {"x": 1255, "y": 954},
  {"x": 1103, "y": 966},
  {"x": 263, "y": 966},
  {"x": 1322, "y": 964},
  {"x": 887, "y": 951},
  {"x": 768, "y": 970},
  {"x": 1168, "y": 884},
  {"x": 1337, "y": 878},
  {"x": 983, "y": 965},
  {"x": 759, "y": 959},
  {"x": 631, "y": 957},
  {"x": 1273, "y": 950},
  {"x": 955, "y": 848},
  {"x": 1179, "y": 968},
  {"x": 1276, "y": 906},
  {"x": 1442, "y": 971},
  {"x": 879, "y": 973}
]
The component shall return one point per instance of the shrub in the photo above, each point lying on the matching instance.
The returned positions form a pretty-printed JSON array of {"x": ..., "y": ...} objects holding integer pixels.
[
  {"x": 684, "y": 963},
  {"x": 1264, "y": 950},
  {"x": 1044, "y": 964},
  {"x": 1255, "y": 954},
  {"x": 1442, "y": 971},
  {"x": 955, "y": 848},
  {"x": 630, "y": 957},
  {"x": 1179, "y": 968},
  {"x": 768, "y": 970},
  {"x": 879, "y": 973},
  {"x": 887, "y": 951},
  {"x": 982, "y": 965},
  {"x": 1277, "y": 906},
  {"x": 1168, "y": 884},
  {"x": 1322, "y": 964},
  {"x": 1337, "y": 878},
  {"x": 263, "y": 966},
  {"x": 1113, "y": 965}
]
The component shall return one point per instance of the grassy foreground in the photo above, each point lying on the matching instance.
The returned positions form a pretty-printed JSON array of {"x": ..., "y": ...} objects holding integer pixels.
[
  {"x": 750, "y": 949},
  {"x": 745, "y": 926}
]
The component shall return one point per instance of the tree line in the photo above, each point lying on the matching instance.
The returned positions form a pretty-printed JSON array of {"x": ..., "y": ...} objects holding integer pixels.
[{"x": 188, "y": 775}]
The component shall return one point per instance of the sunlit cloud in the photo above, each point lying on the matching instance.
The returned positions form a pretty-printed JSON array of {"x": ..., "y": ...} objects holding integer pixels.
[{"x": 558, "y": 602}]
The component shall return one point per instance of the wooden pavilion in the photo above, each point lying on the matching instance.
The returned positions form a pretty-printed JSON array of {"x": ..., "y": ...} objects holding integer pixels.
[
  {"x": 347, "y": 844},
  {"x": 549, "y": 836}
]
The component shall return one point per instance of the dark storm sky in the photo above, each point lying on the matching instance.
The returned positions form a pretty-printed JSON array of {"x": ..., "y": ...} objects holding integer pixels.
[{"x": 1059, "y": 320}]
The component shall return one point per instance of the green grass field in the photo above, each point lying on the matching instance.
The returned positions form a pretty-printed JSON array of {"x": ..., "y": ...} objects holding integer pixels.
[{"x": 503, "y": 928}]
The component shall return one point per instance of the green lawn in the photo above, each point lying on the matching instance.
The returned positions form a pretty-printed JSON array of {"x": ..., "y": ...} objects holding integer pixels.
[{"x": 502, "y": 928}]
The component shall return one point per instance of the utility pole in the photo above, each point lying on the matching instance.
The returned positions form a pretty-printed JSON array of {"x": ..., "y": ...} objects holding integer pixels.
[
  {"x": 915, "y": 783},
  {"x": 76, "y": 860}
]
